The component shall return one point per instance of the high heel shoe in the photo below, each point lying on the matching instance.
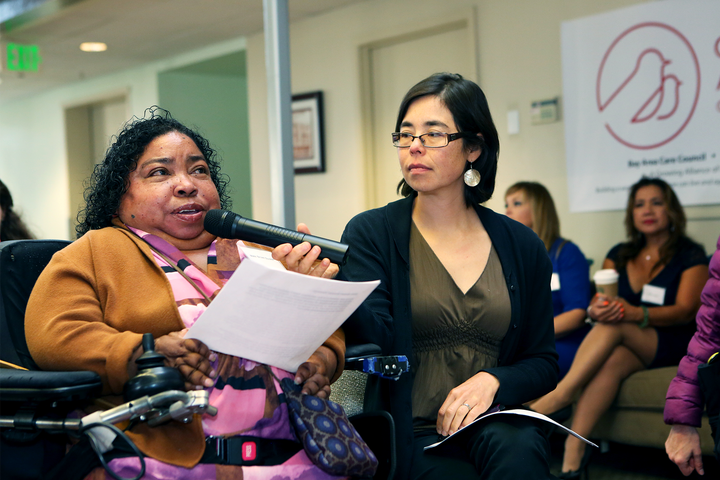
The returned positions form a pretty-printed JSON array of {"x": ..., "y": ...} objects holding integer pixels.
[
  {"x": 573, "y": 475},
  {"x": 581, "y": 472}
]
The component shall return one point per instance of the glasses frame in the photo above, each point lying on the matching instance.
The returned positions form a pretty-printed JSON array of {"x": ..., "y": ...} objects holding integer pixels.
[{"x": 449, "y": 136}]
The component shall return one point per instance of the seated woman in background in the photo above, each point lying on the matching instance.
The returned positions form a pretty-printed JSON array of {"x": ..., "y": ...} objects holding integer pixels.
[
  {"x": 144, "y": 263},
  {"x": 11, "y": 225},
  {"x": 464, "y": 292},
  {"x": 530, "y": 203},
  {"x": 648, "y": 325}
]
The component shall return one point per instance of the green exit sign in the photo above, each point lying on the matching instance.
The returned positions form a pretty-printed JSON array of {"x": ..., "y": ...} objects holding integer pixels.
[{"x": 23, "y": 58}]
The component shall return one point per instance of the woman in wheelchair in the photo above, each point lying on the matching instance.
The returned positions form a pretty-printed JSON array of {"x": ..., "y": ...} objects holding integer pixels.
[
  {"x": 144, "y": 263},
  {"x": 465, "y": 292}
]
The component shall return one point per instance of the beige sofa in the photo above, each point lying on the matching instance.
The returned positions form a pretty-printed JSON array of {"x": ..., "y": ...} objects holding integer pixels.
[{"x": 636, "y": 417}]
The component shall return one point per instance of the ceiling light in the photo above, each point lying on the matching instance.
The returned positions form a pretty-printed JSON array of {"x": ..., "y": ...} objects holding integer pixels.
[{"x": 93, "y": 47}]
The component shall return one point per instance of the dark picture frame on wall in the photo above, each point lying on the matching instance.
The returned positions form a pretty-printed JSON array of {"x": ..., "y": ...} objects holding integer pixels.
[{"x": 308, "y": 132}]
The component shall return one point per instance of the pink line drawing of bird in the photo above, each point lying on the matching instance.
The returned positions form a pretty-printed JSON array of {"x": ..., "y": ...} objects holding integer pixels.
[
  {"x": 717, "y": 52},
  {"x": 657, "y": 97},
  {"x": 660, "y": 92}
]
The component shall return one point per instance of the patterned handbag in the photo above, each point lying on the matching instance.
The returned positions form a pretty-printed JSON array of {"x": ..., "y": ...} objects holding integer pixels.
[{"x": 328, "y": 437}]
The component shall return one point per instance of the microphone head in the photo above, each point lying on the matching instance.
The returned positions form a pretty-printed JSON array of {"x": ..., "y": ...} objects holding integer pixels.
[{"x": 219, "y": 222}]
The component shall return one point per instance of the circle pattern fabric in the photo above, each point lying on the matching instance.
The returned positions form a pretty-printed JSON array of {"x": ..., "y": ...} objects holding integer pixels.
[{"x": 329, "y": 439}]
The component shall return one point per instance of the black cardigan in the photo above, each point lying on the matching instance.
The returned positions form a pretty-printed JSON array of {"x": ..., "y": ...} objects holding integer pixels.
[{"x": 379, "y": 249}]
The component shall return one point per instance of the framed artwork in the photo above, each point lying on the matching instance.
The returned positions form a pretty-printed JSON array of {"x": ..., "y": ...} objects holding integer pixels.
[{"x": 308, "y": 139}]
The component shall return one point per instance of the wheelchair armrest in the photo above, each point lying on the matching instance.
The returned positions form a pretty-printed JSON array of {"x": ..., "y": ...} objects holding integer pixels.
[
  {"x": 367, "y": 358},
  {"x": 39, "y": 386},
  {"x": 353, "y": 352}
]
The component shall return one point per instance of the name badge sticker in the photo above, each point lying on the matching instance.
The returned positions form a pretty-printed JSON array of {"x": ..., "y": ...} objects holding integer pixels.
[
  {"x": 555, "y": 282},
  {"x": 653, "y": 294}
]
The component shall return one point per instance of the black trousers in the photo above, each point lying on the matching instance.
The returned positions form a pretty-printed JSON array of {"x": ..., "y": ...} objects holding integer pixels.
[{"x": 499, "y": 448}]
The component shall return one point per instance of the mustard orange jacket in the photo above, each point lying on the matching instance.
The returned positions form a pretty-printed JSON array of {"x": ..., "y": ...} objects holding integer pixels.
[{"x": 88, "y": 311}]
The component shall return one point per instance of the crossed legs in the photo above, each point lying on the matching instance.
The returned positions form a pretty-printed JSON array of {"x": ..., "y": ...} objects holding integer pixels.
[{"x": 609, "y": 354}]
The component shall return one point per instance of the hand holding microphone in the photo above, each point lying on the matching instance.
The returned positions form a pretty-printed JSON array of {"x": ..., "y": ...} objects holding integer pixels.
[
  {"x": 305, "y": 259},
  {"x": 227, "y": 224}
]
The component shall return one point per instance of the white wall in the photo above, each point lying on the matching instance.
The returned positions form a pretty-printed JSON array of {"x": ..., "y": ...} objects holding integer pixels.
[
  {"x": 33, "y": 158},
  {"x": 324, "y": 53},
  {"x": 518, "y": 45},
  {"x": 519, "y": 60}
]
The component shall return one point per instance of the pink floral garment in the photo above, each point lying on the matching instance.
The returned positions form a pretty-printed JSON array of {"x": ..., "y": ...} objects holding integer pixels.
[{"x": 244, "y": 393}]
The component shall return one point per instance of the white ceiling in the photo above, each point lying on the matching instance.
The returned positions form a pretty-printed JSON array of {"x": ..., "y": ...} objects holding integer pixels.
[{"x": 136, "y": 32}]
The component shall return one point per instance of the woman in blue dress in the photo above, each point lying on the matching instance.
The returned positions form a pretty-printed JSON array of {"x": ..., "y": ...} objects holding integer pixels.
[{"x": 530, "y": 203}]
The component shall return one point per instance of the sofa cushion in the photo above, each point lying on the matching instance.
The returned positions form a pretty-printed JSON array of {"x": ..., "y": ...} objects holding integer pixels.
[
  {"x": 645, "y": 389},
  {"x": 636, "y": 416}
]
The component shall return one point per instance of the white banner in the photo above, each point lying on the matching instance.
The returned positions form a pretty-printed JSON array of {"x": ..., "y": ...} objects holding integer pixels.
[{"x": 641, "y": 91}]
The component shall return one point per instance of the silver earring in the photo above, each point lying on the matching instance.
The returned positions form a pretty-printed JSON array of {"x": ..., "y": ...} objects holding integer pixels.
[{"x": 471, "y": 177}]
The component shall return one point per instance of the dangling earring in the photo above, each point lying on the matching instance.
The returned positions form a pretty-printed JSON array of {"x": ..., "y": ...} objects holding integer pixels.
[{"x": 471, "y": 177}]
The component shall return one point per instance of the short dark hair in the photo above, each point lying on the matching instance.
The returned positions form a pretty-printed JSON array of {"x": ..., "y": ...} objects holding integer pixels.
[
  {"x": 470, "y": 111},
  {"x": 636, "y": 240},
  {"x": 109, "y": 180},
  {"x": 12, "y": 226}
]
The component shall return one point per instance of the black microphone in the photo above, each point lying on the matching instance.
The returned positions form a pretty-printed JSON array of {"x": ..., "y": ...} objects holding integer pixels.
[{"x": 226, "y": 224}]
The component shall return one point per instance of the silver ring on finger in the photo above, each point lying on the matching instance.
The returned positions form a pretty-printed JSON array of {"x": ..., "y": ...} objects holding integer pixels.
[{"x": 469, "y": 407}]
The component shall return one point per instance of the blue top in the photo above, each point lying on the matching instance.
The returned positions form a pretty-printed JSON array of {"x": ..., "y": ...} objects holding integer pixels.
[{"x": 574, "y": 274}]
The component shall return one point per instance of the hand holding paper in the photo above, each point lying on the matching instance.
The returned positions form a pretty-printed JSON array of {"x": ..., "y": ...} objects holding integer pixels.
[
  {"x": 275, "y": 316},
  {"x": 497, "y": 410}
]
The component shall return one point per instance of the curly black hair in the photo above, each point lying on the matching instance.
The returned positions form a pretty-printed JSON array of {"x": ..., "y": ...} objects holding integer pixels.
[{"x": 109, "y": 180}]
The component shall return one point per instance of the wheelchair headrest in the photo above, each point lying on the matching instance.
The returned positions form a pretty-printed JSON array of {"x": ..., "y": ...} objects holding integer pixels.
[{"x": 21, "y": 262}]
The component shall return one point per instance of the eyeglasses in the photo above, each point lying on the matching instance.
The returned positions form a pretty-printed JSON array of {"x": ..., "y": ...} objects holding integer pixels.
[{"x": 429, "y": 140}]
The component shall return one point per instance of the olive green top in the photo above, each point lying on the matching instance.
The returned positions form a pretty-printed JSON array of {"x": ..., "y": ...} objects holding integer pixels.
[{"x": 455, "y": 335}]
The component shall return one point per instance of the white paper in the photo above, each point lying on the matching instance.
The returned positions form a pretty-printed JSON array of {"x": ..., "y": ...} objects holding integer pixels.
[
  {"x": 261, "y": 256},
  {"x": 515, "y": 411},
  {"x": 275, "y": 316},
  {"x": 616, "y": 130}
]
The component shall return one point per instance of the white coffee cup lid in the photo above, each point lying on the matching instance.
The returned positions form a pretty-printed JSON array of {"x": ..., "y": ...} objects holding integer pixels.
[{"x": 606, "y": 276}]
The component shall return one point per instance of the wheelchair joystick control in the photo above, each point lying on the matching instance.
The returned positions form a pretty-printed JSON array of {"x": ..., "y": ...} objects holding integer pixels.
[{"x": 153, "y": 375}]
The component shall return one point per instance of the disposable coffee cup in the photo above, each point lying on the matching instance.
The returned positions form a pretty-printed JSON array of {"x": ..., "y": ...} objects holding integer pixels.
[{"x": 606, "y": 282}]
